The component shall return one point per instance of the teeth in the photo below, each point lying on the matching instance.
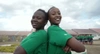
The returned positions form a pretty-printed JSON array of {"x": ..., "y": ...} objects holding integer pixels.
[{"x": 57, "y": 19}]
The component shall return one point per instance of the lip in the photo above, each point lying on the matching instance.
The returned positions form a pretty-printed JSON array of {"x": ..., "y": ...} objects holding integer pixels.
[{"x": 57, "y": 19}]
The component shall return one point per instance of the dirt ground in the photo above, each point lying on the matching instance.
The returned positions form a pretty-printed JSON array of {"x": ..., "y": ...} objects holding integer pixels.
[{"x": 93, "y": 49}]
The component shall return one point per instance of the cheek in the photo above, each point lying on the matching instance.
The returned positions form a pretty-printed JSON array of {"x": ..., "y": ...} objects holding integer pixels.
[
  {"x": 41, "y": 22},
  {"x": 52, "y": 18}
]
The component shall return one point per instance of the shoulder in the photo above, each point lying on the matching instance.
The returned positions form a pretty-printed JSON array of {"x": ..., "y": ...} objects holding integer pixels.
[
  {"x": 54, "y": 27},
  {"x": 42, "y": 32},
  {"x": 37, "y": 34}
]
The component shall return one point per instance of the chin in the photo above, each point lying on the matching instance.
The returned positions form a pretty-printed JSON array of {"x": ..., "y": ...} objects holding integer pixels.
[
  {"x": 34, "y": 27},
  {"x": 58, "y": 23}
]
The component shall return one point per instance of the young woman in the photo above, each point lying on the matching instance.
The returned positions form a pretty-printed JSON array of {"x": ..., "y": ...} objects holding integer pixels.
[
  {"x": 36, "y": 42},
  {"x": 59, "y": 39}
]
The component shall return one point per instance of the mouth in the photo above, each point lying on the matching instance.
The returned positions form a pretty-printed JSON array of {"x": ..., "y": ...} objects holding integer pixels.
[
  {"x": 34, "y": 25},
  {"x": 57, "y": 19}
]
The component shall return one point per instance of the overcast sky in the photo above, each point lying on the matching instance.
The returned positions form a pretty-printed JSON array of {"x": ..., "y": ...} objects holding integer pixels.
[{"x": 82, "y": 14}]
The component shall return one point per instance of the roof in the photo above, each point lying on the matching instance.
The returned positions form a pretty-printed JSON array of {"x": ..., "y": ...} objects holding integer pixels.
[
  {"x": 14, "y": 32},
  {"x": 84, "y": 31},
  {"x": 71, "y": 32},
  {"x": 96, "y": 30},
  {"x": 23, "y": 32}
]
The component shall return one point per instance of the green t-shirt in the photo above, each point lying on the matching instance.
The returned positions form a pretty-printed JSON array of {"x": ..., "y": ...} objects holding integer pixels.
[
  {"x": 57, "y": 39},
  {"x": 87, "y": 37},
  {"x": 90, "y": 36},
  {"x": 35, "y": 43},
  {"x": 82, "y": 37},
  {"x": 78, "y": 38}
]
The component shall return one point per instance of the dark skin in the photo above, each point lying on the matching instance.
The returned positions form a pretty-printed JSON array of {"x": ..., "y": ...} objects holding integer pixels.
[
  {"x": 55, "y": 18},
  {"x": 38, "y": 22}
]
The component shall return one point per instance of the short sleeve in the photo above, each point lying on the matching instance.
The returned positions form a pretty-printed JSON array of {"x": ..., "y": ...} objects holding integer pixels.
[
  {"x": 58, "y": 36},
  {"x": 33, "y": 41},
  {"x": 65, "y": 38}
]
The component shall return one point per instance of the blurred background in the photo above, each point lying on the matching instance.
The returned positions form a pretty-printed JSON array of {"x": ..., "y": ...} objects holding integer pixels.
[{"x": 79, "y": 18}]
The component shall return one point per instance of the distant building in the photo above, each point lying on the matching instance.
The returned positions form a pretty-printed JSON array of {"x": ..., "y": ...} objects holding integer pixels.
[
  {"x": 73, "y": 33},
  {"x": 11, "y": 36},
  {"x": 96, "y": 36},
  {"x": 97, "y": 30},
  {"x": 84, "y": 31}
]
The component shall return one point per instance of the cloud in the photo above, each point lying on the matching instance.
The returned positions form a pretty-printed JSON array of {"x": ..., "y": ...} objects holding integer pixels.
[
  {"x": 72, "y": 8},
  {"x": 16, "y": 14},
  {"x": 69, "y": 23},
  {"x": 92, "y": 7},
  {"x": 17, "y": 23}
]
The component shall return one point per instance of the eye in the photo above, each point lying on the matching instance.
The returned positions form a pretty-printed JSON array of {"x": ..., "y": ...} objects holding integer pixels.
[
  {"x": 59, "y": 13},
  {"x": 33, "y": 17},
  {"x": 53, "y": 14},
  {"x": 39, "y": 18}
]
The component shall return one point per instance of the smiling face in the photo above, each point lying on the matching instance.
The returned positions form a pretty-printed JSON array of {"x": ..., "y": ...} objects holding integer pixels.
[
  {"x": 54, "y": 16},
  {"x": 38, "y": 20}
]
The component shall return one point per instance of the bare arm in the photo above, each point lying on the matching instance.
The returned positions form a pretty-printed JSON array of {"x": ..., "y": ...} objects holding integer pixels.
[
  {"x": 19, "y": 50},
  {"x": 75, "y": 45}
]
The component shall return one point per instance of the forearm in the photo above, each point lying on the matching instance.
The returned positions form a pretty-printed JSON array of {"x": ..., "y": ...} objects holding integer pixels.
[
  {"x": 19, "y": 50},
  {"x": 76, "y": 45}
]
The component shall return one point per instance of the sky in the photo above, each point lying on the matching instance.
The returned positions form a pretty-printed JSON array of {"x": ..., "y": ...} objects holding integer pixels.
[{"x": 76, "y": 14}]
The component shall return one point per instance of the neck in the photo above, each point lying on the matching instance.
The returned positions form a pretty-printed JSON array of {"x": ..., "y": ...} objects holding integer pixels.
[
  {"x": 55, "y": 24},
  {"x": 39, "y": 29}
]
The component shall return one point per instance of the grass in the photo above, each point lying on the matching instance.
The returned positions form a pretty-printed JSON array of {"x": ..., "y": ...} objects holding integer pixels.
[{"x": 8, "y": 48}]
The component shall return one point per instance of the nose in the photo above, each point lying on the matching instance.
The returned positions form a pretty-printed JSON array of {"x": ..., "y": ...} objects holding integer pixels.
[{"x": 34, "y": 20}]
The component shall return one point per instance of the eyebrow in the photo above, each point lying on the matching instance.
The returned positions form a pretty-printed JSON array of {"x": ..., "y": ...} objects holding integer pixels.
[{"x": 55, "y": 11}]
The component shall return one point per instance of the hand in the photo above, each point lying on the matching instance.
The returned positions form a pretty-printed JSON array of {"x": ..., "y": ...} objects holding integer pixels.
[{"x": 67, "y": 49}]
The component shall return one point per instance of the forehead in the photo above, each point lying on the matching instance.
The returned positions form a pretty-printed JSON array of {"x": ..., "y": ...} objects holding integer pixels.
[
  {"x": 39, "y": 13},
  {"x": 54, "y": 10}
]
